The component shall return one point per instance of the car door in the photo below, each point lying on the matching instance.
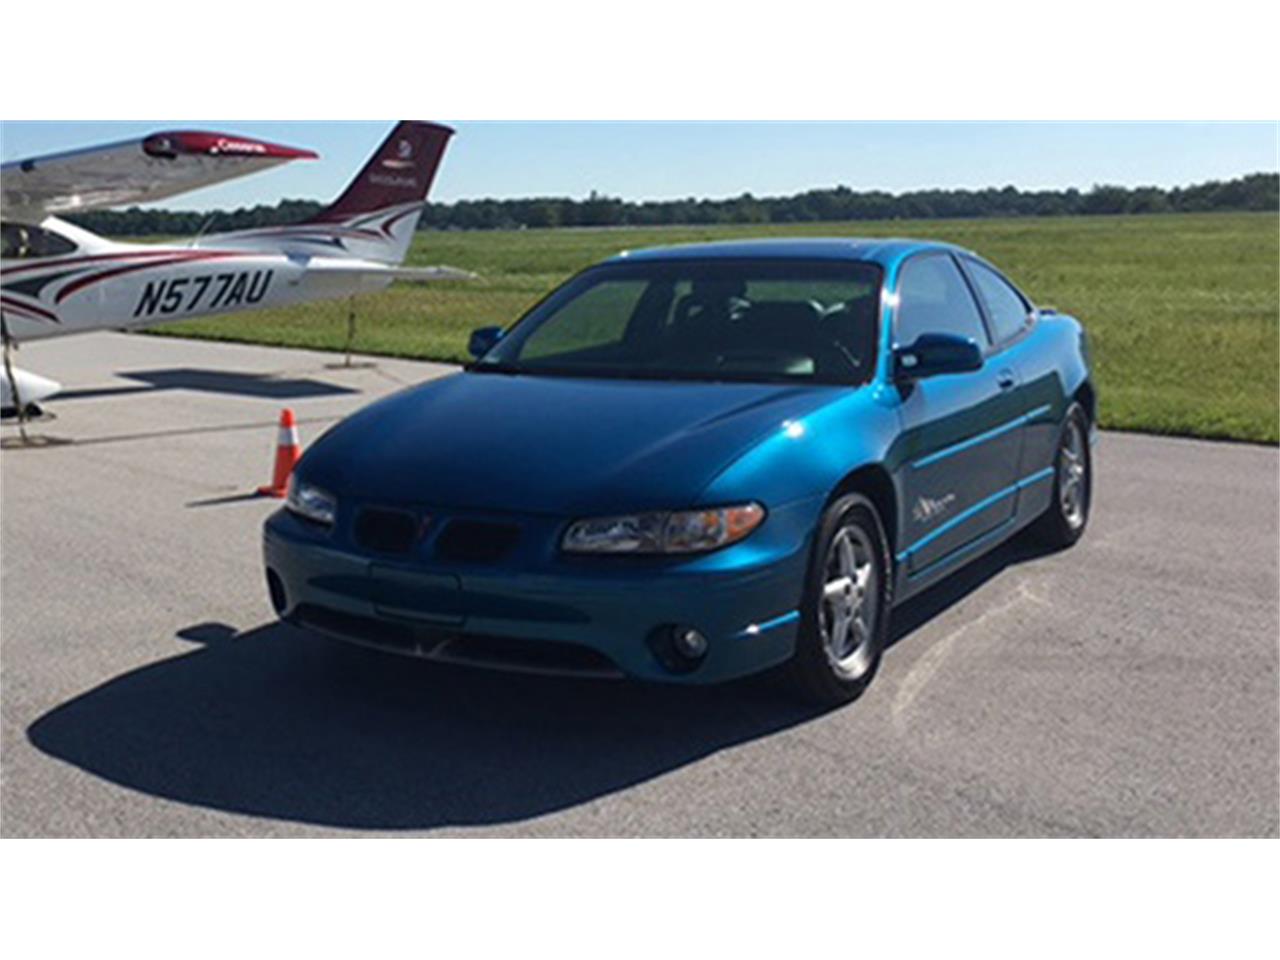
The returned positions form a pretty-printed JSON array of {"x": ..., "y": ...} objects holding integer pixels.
[
  {"x": 1011, "y": 320},
  {"x": 960, "y": 432}
]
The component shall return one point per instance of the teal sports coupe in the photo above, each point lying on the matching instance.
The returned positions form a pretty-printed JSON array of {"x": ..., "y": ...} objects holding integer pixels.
[{"x": 694, "y": 463}]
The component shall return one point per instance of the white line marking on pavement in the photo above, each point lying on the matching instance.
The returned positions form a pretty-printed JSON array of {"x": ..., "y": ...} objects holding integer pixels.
[{"x": 928, "y": 665}]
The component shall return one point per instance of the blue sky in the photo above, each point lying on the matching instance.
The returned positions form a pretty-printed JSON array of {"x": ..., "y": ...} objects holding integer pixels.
[{"x": 639, "y": 161}]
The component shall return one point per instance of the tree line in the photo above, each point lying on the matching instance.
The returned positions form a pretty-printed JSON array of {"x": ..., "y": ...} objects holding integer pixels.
[{"x": 1258, "y": 191}]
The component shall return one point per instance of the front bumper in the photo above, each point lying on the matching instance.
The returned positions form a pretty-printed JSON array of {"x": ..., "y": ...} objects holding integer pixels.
[{"x": 562, "y": 615}]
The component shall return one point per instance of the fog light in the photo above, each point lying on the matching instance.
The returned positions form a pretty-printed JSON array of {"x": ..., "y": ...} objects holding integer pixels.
[
  {"x": 690, "y": 644},
  {"x": 275, "y": 587},
  {"x": 679, "y": 648}
]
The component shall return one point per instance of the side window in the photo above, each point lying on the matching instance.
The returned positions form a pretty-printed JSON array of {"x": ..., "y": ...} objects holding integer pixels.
[
  {"x": 934, "y": 298},
  {"x": 1009, "y": 312},
  {"x": 24, "y": 241}
]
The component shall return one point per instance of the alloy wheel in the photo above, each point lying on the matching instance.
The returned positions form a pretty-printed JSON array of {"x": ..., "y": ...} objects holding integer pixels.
[
  {"x": 1073, "y": 467},
  {"x": 850, "y": 600}
]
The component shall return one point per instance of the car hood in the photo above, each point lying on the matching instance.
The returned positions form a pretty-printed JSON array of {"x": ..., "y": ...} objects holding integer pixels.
[{"x": 552, "y": 445}]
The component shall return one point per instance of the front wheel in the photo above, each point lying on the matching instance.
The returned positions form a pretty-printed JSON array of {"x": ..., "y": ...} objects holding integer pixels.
[
  {"x": 844, "y": 615},
  {"x": 1064, "y": 521}
]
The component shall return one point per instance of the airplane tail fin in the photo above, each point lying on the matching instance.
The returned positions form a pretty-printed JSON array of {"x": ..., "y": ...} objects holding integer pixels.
[{"x": 378, "y": 212}]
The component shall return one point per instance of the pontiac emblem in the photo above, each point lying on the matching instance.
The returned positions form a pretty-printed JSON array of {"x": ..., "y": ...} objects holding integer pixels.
[{"x": 927, "y": 509}]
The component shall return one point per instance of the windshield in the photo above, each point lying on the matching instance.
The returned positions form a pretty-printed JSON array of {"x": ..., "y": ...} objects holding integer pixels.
[{"x": 756, "y": 320}]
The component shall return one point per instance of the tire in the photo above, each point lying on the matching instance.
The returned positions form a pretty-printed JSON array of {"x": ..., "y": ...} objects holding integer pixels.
[
  {"x": 1064, "y": 522},
  {"x": 843, "y": 629}
]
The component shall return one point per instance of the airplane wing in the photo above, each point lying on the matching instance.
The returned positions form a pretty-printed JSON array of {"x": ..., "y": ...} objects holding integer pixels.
[
  {"x": 430, "y": 274},
  {"x": 366, "y": 268},
  {"x": 132, "y": 171}
]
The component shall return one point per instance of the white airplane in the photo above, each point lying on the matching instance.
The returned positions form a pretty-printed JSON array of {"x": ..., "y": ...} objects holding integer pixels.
[{"x": 57, "y": 279}]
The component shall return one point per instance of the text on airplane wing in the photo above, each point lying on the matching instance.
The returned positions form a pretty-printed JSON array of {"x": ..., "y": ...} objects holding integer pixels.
[{"x": 133, "y": 171}]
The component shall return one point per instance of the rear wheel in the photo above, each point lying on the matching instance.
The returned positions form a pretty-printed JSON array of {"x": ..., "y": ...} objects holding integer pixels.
[
  {"x": 1063, "y": 523},
  {"x": 845, "y": 611}
]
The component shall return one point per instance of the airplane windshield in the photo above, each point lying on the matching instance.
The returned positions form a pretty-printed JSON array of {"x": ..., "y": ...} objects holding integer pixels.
[
  {"x": 24, "y": 241},
  {"x": 753, "y": 320}
]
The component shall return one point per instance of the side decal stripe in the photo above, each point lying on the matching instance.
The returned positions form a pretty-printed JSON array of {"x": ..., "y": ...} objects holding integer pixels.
[
  {"x": 980, "y": 438},
  {"x": 960, "y": 552},
  {"x": 975, "y": 510},
  {"x": 14, "y": 306},
  {"x": 83, "y": 282},
  {"x": 755, "y": 629},
  {"x": 97, "y": 258}
]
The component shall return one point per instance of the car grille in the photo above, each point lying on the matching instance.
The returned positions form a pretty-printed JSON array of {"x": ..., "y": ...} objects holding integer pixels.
[
  {"x": 432, "y": 643},
  {"x": 539, "y": 656},
  {"x": 386, "y": 531},
  {"x": 477, "y": 541},
  {"x": 376, "y": 633}
]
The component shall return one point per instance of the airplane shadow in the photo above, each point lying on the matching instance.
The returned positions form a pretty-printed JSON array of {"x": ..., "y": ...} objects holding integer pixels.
[
  {"x": 276, "y": 723},
  {"x": 264, "y": 385}
]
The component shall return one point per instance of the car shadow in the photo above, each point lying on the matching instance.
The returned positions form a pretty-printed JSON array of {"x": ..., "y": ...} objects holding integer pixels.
[{"x": 276, "y": 723}]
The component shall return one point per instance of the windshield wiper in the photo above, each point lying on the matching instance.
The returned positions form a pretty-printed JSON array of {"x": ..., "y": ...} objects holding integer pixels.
[{"x": 508, "y": 368}]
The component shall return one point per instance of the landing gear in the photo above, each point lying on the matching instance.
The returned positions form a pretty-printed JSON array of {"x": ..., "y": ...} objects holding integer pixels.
[
  {"x": 351, "y": 327},
  {"x": 20, "y": 409},
  {"x": 347, "y": 362}
]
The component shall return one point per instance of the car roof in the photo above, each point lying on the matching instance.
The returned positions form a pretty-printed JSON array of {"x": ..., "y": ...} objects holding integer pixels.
[{"x": 884, "y": 251}]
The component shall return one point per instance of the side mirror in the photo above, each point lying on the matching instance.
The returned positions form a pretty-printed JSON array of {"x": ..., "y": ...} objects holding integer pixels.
[
  {"x": 936, "y": 353},
  {"x": 483, "y": 340}
]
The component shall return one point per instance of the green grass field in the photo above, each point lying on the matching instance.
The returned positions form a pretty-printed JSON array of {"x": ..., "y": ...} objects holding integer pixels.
[{"x": 1183, "y": 310}]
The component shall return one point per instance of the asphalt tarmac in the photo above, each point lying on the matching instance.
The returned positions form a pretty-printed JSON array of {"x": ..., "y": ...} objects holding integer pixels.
[{"x": 1127, "y": 687}]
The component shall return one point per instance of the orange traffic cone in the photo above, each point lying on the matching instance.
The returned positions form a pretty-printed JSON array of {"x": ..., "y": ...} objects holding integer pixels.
[{"x": 287, "y": 453}]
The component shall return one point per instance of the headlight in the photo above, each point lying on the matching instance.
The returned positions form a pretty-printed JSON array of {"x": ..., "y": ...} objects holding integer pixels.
[
  {"x": 311, "y": 503},
  {"x": 684, "y": 531}
]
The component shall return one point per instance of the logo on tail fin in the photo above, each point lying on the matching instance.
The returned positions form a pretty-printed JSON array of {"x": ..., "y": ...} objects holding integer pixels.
[
  {"x": 404, "y": 156},
  {"x": 400, "y": 172}
]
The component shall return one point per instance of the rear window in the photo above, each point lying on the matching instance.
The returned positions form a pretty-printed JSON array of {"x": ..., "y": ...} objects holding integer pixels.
[{"x": 1008, "y": 311}]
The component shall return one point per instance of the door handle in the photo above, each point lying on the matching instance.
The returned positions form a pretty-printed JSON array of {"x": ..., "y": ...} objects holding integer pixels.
[{"x": 1005, "y": 379}]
